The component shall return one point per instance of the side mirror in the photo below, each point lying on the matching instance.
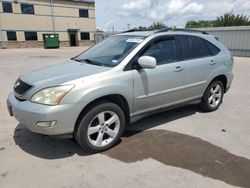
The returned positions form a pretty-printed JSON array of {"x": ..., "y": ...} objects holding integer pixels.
[{"x": 147, "y": 62}]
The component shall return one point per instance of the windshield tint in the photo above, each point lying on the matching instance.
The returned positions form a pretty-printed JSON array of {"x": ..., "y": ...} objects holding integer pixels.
[{"x": 111, "y": 51}]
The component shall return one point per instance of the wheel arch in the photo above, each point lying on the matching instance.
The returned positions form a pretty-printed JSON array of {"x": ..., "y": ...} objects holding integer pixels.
[
  {"x": 118, "y": 99},
  {"x": 223, "y": 79}
]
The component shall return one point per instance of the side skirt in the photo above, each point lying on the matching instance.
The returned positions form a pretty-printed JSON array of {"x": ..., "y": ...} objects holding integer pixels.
[{"x": 137, "y": 117}]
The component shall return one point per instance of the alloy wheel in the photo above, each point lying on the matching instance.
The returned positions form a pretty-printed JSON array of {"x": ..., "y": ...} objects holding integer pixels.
[
  {"x": 215, "y": 96},
  {"x": 103, "y": 128}
]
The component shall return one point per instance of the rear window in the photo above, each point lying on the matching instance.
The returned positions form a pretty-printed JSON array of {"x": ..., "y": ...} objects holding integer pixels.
[{"x": 194, "y": 47}]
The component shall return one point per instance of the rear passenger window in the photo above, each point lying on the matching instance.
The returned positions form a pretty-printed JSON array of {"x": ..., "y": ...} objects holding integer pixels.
[
  {"x": 213, "y": 49},
  {"x": 193, "y": 47},
  {"x": 164, "y": 51}
]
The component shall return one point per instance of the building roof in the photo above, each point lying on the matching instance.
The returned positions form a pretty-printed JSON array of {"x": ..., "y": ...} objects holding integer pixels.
[
  {"x": 85, "y": 1},
  {"x": 229, "y": 28}
]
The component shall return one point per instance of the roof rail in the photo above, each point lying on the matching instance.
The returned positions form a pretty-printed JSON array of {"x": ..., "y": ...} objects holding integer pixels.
[
  {"x": 181, "y": 29},
  {"x": 131, "y": 30}
]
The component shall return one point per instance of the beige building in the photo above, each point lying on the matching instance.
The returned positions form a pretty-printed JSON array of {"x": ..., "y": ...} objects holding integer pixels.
[{"x": 23, "y": 22}]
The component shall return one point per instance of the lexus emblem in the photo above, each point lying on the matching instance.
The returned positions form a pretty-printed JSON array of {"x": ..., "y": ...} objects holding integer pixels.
[{"x": 16, "y": 84}]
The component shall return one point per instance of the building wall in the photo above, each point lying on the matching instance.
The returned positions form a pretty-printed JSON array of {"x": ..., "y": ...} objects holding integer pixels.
[
  {"x": 66, "y": 15},
  {"x": 236, "y": 39}
]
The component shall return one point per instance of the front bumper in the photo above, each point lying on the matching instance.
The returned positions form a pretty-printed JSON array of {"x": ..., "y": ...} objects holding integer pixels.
[{"x": 29, "y": 113}]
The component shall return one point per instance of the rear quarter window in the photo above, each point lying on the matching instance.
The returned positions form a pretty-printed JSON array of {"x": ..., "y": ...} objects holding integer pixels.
[{"x": 212, "y": 48}]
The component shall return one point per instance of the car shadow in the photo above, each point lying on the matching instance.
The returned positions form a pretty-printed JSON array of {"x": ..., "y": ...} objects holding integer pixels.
[
  {"x": 183, "y": 151},
  {"x": 45, "y": 146}
]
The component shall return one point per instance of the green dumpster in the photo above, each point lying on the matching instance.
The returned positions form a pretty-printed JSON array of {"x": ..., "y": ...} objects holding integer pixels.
[{"x": 51, "y": 40}]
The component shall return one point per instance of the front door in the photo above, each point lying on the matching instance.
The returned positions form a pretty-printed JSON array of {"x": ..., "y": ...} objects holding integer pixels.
[{"x": 162, "y": 86}]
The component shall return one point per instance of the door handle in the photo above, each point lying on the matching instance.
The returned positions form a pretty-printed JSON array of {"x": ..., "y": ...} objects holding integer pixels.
[
  {"x": 178, "y": 69},
  {"x": 212, "y": 62}
]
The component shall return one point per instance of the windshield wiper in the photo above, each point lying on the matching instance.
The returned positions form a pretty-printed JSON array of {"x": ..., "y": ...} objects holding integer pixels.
[
  {"x": 89, "y": 61},
  {"x": 75, "y": 59}
]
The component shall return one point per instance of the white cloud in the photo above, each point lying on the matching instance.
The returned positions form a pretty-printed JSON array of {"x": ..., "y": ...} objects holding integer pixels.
[
  {"x": 136, "y": 5},
  {"x": 156, "y": 15},
  {"x": 220, "y": 7},
  {"x": 160, "y": 10},
  {"x": 241, "y": 6},
  {"x": 175, "y": 6},
  {"x": 193, "y": 8}
]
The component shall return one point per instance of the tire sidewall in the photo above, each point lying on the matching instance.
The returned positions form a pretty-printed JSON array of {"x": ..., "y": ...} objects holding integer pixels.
[{"x": 82, "y": 137}]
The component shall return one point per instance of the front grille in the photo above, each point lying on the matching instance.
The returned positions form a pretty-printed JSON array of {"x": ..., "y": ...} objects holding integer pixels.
[{"x": 21, "y": 87}]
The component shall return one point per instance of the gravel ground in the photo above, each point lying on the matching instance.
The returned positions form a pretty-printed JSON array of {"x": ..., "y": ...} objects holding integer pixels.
[{"x": 178, "y": 148}]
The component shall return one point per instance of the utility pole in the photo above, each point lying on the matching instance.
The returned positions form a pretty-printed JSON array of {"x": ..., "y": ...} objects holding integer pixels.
[
  {"x": 52, "y": 15},
  {"x": 128, "y": 26}
]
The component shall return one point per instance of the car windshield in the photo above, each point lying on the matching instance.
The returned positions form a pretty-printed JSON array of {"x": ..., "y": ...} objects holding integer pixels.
[{"x": 111, "y": 51}]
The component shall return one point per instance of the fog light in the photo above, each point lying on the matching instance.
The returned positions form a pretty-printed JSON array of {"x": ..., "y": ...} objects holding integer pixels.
[{"x": 46, "y": 124}]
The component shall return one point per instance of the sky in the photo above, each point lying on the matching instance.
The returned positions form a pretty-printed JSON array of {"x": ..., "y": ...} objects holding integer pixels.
[{"x": 122, "y": 14}]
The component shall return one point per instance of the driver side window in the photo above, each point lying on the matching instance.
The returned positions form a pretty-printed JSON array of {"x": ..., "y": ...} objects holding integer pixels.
[{"x": 163, "y": 50}]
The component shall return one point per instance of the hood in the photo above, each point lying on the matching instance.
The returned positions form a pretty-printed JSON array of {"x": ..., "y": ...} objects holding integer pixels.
[{"x": 62, "y": 72}]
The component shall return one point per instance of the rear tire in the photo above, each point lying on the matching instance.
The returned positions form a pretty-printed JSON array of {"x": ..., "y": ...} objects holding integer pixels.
[
  {"x": 213, "y": 96},
  {"x": 100, "y": 127}
]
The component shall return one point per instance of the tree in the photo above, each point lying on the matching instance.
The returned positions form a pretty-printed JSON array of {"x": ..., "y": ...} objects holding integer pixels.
[
  {"x": 228, "y": 19},
  {"x": 200, "y": 23},
  {"x": 154, "y": 26},
  {"x": 142, "y": 28},
  {"x": 157, "y": 25}
]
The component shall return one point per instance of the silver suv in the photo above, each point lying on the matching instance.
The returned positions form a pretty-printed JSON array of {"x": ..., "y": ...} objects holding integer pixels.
[{"x": 120, "y": 80}]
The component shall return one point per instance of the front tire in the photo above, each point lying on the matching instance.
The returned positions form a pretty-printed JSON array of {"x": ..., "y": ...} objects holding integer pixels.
[
  {"x": 213, "y": 96},
  {"x": 100, "y": 127}
]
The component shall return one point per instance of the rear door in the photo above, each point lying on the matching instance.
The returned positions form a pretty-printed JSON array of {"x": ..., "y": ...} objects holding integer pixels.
[
  {"x": 199, "y": 64},
  {"x": 162, "y": 86}
]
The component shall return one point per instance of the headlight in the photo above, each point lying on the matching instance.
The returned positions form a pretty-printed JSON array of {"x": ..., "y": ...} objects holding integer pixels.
[{"x": 52, "y": 95}]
